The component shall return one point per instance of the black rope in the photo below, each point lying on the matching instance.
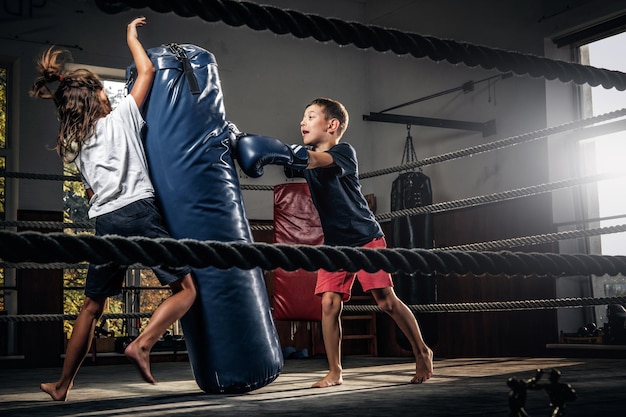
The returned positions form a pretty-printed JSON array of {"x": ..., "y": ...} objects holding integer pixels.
[
  {"x": 498, "y": 144},
  {"x": 300, "y": 25},
  {"x": 32, "y": 176},
  {"x": 43, "y": 224},
  {"x": 253, "y": 187},
  {"x": 518, "y": 242},
  {"x": 54, "y": 177},
  {"x": 59, "y": 247},
  {"x": 486, "y": 306},
  {"x": 541, "y": 304},
  {"x": 29, "y": 318},
  {"x": 498, "y": 197},
  {"x": 430, "y": 208}
]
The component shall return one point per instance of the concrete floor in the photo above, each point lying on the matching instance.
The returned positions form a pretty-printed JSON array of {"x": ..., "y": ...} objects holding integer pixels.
[{"x": 372, "y": 387}]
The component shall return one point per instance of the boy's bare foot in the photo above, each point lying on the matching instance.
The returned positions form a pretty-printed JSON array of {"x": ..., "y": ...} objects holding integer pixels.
[
  {"x": 329, "y": 380},
  {"x": 53, "y": 390},
  {"x": 423, "y": 367},
  {"x": 141, "y": 359}
]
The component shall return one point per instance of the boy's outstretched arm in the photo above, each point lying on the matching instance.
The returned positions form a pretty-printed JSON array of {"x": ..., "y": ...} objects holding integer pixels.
[{"x": 320, "y": 160}]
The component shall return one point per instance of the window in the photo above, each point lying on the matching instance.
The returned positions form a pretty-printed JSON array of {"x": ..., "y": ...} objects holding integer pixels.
[
  {"x": 609, "y": 149},
  {"x": 606, "y": 154}
]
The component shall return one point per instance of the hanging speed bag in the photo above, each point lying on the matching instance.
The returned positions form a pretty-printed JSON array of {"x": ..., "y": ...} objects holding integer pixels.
[
  {"x": 410, "y": 190},
  {"x": 229, "y": 332}
]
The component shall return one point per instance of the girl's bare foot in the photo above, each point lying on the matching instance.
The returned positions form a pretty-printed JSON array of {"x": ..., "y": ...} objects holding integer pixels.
[
  {"x": 329, "y": 380},
  {"x": 423, "y": 367},
  {"x": 54, "y": 391},
  {"x": 141, "y": 359}
]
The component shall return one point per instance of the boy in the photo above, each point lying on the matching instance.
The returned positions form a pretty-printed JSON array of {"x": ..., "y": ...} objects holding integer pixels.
[
  {"x": 332, "y": 176},
  {"x": 331, "y": 171}
]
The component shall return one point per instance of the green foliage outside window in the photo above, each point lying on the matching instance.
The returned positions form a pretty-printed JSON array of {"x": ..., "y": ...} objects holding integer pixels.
[
  {"x": 3, "y": 107},
  {"x": 3, "y": 141}
]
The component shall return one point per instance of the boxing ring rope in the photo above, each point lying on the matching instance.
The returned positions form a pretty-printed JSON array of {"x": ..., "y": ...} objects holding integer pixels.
[
  {"x": 503, "y": 143},
  {"x": 98, "y": 250},
  {"x": 537, "y": 239},
  {"x": 34, "y": 176},
  {"x": 44, "y": 247},
  {"x": 301, "y": 25},
  {"x": 480, "y": 246},
  {"x": 27, "y": 318},
  {"x": 432, "y": 208},
  {"x": 42, "y": 224},
  {"x": 496, "y": 197},
  {"x": 487, "y": 306}
]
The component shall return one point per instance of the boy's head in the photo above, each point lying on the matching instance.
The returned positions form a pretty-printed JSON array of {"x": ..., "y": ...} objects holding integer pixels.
[
  {"x": 324, "y": 122},
  {"x": 333, "y": 109}
]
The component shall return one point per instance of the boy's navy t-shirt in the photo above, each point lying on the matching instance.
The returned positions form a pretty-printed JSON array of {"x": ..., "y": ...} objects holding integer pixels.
[{"x": 346, "y": 219}]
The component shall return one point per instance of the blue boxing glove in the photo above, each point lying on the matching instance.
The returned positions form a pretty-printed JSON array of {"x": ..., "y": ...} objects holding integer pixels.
[{"x": 254, "y": 152}]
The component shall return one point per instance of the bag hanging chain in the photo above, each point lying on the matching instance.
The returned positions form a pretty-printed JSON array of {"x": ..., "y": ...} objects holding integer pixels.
[
  {"x": 409, "y": 154},
  {"x": 181, "y": 56}
]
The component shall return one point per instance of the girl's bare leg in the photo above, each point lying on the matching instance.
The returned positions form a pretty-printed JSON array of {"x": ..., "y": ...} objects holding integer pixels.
[
  {"x": 170, "y": 310},
  {"x": 77, "y": 348}
]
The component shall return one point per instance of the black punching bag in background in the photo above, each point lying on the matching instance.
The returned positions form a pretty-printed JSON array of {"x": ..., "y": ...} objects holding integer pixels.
[{"x": 412, "y": 189}]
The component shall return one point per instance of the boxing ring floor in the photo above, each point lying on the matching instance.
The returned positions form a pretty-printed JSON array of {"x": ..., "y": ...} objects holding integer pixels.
[{"x": 372, "y": 387}]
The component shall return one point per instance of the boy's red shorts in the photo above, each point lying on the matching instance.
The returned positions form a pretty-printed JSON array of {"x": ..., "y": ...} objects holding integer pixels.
[{"x": 341, "y": 281}]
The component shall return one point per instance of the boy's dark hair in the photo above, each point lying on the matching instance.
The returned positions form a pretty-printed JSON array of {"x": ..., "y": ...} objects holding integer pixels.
[{"x": 333, "y": 109}]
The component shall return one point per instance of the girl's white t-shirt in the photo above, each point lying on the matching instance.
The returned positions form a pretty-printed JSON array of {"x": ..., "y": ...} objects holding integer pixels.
[{"x": 113, "y": 161}]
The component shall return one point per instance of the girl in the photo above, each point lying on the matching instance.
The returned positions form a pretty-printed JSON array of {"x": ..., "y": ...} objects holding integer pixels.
[{"x": 106, "y": 146}]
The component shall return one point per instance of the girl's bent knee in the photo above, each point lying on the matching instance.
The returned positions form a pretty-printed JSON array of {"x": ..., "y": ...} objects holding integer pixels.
[{"x": 93, "y": 307}]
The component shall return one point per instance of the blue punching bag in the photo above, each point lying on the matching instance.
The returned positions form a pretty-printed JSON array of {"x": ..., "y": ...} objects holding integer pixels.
[{"x": 229, "y": 332}]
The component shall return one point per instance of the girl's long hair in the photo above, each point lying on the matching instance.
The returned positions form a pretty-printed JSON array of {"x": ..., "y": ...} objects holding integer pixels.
[{"x": 76, "y": 98}]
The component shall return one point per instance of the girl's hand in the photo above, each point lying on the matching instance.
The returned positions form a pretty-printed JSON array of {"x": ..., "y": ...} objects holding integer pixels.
[{"x": 132, "y": 26}]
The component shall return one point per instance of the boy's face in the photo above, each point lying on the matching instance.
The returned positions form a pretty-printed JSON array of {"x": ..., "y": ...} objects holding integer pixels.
[{"x": 314, "y": 126}]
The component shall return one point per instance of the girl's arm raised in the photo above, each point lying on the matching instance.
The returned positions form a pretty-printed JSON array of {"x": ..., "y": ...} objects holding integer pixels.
[{"x": 145, "y": 69}]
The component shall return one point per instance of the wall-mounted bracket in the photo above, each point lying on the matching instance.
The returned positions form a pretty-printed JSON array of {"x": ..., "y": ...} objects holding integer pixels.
[{"x": 487, "y": 128}]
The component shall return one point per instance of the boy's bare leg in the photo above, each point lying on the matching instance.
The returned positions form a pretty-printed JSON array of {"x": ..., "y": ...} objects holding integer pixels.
[
  {"x": 404, "y": 318},
  {"x": 77, "y": 348},
  {"x": 170, "y": 310},
  {"x": 423, "y": 366},
  {"x": 331, "y": 332}
]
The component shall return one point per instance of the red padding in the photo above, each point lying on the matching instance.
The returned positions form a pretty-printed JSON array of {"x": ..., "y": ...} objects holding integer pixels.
[{"x": 296, "y": 222}]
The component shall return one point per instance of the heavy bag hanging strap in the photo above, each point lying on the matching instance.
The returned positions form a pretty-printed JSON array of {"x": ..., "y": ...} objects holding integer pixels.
[
  {"x": 180, "y": 55},
  {"x": 409, "y": 155}
]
